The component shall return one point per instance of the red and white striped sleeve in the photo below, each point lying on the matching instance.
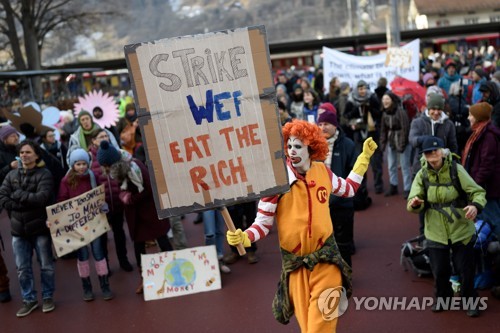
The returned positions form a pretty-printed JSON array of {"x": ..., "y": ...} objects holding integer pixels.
[
  {"x": 345, "y": 188},
  {"x": 264, "y": 220}
]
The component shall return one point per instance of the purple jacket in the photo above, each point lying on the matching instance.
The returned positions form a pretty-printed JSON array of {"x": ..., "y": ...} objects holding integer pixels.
[{"x": 483, "y": 162}]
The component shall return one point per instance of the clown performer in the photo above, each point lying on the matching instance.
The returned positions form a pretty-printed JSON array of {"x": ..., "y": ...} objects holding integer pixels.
[{"x": 311, "y": 260}]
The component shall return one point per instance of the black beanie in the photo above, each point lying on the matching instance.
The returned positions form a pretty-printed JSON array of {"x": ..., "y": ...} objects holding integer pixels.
[{"x": 107, "y": 154}]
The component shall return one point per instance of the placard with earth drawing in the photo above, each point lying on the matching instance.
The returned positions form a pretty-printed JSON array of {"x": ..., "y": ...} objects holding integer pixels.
[{"x": 179, "y": 273}]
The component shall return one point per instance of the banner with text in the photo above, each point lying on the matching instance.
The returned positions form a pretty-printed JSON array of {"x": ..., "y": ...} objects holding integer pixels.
[
  {"x": 76, "y": 222},
  {"x": 179, "y": 273},
  {"x": 208, "y": 112},
  {"x": 400, "y": 61}
]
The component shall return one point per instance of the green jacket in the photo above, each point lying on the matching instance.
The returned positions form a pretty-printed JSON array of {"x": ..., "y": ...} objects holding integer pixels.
[{"x": 438, "y": 227}]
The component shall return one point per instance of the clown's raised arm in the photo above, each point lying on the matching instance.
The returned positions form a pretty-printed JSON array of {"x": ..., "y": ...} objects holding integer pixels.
[{"x": 310, "y": 181}]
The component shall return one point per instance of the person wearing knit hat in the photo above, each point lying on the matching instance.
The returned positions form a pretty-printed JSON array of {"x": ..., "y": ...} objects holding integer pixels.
[
  {"x": 450, "y": 76},
  {"x": 82, "y": 137},
  {"x": 137, "y": 197},
  {"x": 326, "y": 107},
  {"x": 481, "y": 159},
  {"x": 108, "y": 155},
  {"x": 340, "y": 159},
  {"x": 450, "y": 63},
  {"x": 362, "y": 83},
  {"x": 6, "y": 131},
  {"x": 435, "y": 101},
  {"x": 329, "y": 117},
  {"x": 428, "y": 80},
  {"x": 79, "y": 180},
  {"x": 78, "y": 155}
]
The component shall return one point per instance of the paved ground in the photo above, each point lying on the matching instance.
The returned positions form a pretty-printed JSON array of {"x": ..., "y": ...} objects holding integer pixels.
[{"x": 244, "y": 302}]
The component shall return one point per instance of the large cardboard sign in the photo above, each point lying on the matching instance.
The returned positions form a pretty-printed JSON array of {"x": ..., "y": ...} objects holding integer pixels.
[
  {"x": 76, "y": 222},
  {"x": 207, "y": 111},
  {"x": 178, "y": 273},
  {"x": 402, "y": 61}
]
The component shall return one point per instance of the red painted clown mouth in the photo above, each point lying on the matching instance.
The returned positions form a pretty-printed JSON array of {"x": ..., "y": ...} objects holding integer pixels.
[{"x": 295, "y": 160}]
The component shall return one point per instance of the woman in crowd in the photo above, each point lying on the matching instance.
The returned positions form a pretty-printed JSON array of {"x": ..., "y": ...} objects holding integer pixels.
[
  {"x": 449, "y": 214},
  {"x": 137, "y": 196},
  {"x": 481, "y": 159},
  {"x": 115, "y": 213},
  {"x": 394, "y": 131}
]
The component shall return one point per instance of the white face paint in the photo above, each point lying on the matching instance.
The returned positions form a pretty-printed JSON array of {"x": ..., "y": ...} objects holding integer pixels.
[{"x": 299, "y": 154}]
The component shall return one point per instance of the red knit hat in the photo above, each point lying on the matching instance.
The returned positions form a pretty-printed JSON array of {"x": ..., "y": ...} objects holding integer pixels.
[{"x": 328, "y": 107}]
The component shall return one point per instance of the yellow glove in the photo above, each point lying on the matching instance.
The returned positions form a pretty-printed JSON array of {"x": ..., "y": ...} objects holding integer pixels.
[
  {"x": 238, "y": 237},
  {"x": 361, "y": 165}
]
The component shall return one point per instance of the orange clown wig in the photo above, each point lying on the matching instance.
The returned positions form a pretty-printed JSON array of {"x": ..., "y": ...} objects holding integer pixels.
[{"x": 310, "y": 135}]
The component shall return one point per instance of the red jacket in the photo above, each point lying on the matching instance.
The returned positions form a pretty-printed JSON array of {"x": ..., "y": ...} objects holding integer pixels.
[
  {"x": 483, "y": 161},
  {"x": 142, "y": 218},
  {"x": 67, "y": 192}
]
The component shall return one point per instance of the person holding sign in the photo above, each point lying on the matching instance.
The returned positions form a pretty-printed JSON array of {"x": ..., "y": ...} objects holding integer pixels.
[
  {"x": 311, "y": 259},
  {"x": 25, "y": 192},
  {"x": 78, "y": 181},
  {"x": 137, "y": 196}
]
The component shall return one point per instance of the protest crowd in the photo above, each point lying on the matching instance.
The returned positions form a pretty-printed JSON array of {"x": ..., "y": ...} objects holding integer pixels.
[{"x": 446, "y": 149}]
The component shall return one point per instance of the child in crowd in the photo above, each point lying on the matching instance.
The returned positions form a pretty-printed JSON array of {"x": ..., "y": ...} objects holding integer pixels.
[{"x": 79, "y": 180}]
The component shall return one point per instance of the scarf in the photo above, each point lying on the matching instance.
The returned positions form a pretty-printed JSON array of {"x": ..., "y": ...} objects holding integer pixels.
[
  {"x": 331, "y": 144},
  {"x": 134, "y": 174},
  {"x": 477, "y": 129},
  {"x": 81, "y": 136}
]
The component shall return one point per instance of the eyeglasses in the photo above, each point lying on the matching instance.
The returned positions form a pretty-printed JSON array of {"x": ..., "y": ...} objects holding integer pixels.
[{"x": 51, "y": 136}]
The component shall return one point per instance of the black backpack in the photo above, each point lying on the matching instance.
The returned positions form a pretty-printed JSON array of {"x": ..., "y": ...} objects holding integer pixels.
[{"x": 415, "y": 256}]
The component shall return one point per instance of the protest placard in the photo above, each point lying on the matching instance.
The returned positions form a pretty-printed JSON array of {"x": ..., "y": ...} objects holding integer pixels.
[
  {"x": 178, "y": 273},
  {"x": 402, "y": 61},
  {"x": 76, "y": 222},
  {"x": 207, "y": 111}
]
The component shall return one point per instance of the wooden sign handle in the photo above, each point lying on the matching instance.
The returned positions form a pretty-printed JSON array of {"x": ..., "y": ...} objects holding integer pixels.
[{"x": 230, "y": 226}]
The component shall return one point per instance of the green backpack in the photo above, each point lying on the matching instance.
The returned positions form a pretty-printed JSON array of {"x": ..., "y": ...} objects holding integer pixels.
[{"x": 460, "y": 202}]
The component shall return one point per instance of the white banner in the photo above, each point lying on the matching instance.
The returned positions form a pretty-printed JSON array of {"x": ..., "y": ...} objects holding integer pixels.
[
  {"x": 178, "y": 273},
  {"x": 76, "y": 222},
  {"x": 403, "y": 61}
]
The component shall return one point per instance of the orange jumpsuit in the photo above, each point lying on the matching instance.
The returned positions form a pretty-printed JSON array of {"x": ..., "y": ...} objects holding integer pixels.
[{"x": 304, "y": 224}]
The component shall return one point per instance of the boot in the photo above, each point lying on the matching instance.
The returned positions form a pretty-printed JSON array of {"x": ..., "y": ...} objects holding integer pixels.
[
  {"x": 84, "y": 273},
  {"x": 139, "y": 290},
  {"x": 106, "y": 292},
  {"x": 393, "y": 190},
  {"x": 87, "y": 290}
]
